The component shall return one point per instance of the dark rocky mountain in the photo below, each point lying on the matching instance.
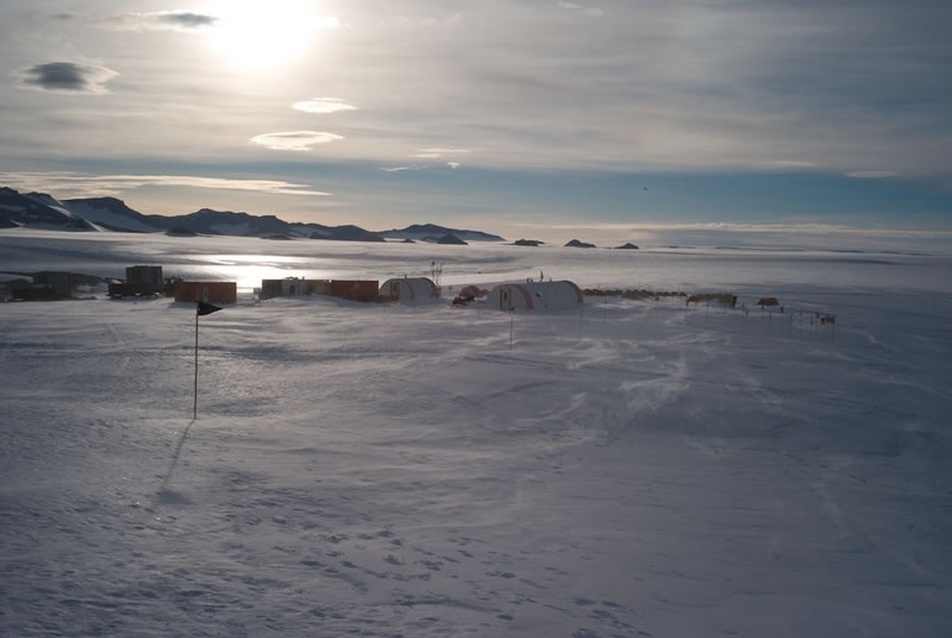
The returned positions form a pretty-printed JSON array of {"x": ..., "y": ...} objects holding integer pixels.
[
  {"x": 627, "y": 246},
  {"x": 39, "y": 210},
  {"x": 451, "y": 239},
  {"x": 528, "y": 242},
  {"x": 434, "y": 232},
  {"x": 575, "y": 243},
  {"x": 215, "y": 222},
  {"x": 348, "y": 232}
]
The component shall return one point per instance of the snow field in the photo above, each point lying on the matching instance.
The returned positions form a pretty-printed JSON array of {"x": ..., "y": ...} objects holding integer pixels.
[{"x": 634, "y": 469}]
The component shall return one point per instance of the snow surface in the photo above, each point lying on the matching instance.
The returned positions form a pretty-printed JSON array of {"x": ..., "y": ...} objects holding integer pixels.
[{"x": 635, "y": 468}]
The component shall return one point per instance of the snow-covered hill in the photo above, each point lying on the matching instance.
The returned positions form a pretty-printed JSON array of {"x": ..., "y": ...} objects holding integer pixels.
[
  {"x": 110, "y": 213},
  {"x": 38, "y": 210}
]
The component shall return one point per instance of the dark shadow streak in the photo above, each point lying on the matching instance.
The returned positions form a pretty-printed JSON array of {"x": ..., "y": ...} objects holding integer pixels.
[{"x": 175, "y": 458}]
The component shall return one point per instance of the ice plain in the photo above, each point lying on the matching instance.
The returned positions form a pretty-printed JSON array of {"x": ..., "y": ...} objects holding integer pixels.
[{"x": 634, "y": 468}]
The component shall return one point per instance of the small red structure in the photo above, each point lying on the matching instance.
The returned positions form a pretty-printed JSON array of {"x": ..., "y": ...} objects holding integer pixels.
[
  {"x": 214, "y": 292},
  {"x": 355, "y": 289}
]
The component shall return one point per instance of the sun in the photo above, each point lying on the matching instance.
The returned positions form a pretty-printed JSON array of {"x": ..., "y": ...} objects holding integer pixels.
[{"x": 263, "y": 34}]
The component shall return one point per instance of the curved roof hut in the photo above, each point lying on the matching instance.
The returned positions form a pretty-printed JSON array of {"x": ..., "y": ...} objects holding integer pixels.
[
  {"x": 410, "y": 290},
  {"x": 540, "y": 295}
]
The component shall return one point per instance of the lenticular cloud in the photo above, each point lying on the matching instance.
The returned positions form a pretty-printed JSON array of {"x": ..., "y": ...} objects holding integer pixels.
[
  {"x": 69, "y": 77},
  {"x": 294, "y": 140}
]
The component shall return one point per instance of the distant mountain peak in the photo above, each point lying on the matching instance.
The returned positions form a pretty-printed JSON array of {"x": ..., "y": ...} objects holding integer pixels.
[
  {"x": 40, "y": 210},
  {"x": 434, "y": 232},
  {"x": 450, "y": 238},
  {"x": 575, "y": 243}
]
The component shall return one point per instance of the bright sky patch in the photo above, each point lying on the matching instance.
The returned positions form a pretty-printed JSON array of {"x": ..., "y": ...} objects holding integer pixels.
[{"x": 260, "y": 35}]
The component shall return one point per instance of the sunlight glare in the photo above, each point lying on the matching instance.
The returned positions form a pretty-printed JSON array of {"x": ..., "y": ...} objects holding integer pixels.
[{"x": 258, "y": 35}]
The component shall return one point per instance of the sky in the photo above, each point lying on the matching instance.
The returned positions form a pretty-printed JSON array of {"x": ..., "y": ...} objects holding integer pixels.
[{"x": 554, "y": 119}]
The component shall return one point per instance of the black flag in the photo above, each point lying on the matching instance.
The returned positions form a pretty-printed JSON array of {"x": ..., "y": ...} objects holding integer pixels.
[{"x": 206, "y": 308}]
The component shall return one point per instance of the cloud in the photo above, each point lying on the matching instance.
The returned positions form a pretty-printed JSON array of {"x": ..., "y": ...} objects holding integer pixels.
[
  {"x": 180, "y": 20},
  {"x": 434, "y": 153},
  {"x": 70, "y": 184},
  {"x": 445, "y": 151},
  {"x": 425, "y": 22},
  {"x": 871, "y": 174},
  {"x": 804, "y": 228},
  {"x": 592, "y": 12},
  {"x": 324, "y": 105},
  {"x": 400, "y": 169},
  {"x": 69, "y": 77},
  {"x": 294, "y": 140},
  {"x": 651, "y": 87},
  {"x": 187, "y": 21},
  {"x": 419, "y": 167}
]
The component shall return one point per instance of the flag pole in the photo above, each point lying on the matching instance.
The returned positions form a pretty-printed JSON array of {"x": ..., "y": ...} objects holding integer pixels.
[
  {"x": 201, "y": 308},
  {"x": 195, "y": 405}
]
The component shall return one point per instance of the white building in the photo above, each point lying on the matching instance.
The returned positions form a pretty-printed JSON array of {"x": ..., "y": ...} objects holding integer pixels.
[
  {"x": 541, "y": 296},
  {"x": 410, "y": 289}
]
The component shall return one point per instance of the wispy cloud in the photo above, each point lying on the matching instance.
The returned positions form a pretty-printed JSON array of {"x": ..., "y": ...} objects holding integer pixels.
[
  {"x": 71, "y": 184},
  {"x": 400, "y": 169},
  {"x": 871, "y": 174},
  {"x": 294, "y": 140},
  {"x": 806, "y": 228},
  {"x": 67, "y": 77},
  {"x": 324, "y": 105},
  {"x": 187, "y": 21},
  {"x": 593, "y": 12},
  {"x": 436, "y": 153}
]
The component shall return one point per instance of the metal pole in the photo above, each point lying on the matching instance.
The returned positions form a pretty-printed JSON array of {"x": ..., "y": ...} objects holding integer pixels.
[{"x": 195, "y": 406}]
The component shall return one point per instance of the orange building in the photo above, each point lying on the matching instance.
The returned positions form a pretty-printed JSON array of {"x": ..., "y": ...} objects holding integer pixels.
[{"x": 355, "y": 289}]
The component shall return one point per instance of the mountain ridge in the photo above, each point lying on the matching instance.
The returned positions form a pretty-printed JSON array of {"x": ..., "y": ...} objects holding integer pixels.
[{"x": 110, "y": 214}]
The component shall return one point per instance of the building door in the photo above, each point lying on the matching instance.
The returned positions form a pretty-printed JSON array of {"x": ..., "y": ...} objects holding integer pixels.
[
  {"x": 205, "y": 294},
  {"x": 504, "y": 300}
]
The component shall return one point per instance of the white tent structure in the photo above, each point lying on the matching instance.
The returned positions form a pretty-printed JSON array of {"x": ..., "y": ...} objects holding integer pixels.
[
  {"x": 410, "y": 289},
  {"x": 541, "y": 295}
]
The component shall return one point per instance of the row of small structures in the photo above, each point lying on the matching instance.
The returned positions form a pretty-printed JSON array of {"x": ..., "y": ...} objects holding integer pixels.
[
  {"x": 541, "y": 295},
  {"x": 149, "y": 281}
]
